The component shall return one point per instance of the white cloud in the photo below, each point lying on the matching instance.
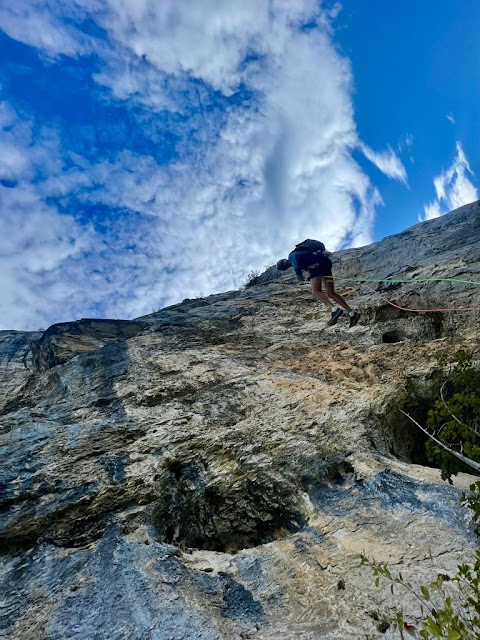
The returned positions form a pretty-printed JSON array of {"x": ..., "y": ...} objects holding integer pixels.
[
  {"x": 432, "y": 210},
  {"x": 47, "y": 25},
  {"x": 405, "y": 142},
  {"x": 451, "y": 117},
  {"x": 36, "y": 242},
  {"x": 387, "y": 161},
  {"x": 452, "y": 187},
  {"x": 276, "y": 168}
]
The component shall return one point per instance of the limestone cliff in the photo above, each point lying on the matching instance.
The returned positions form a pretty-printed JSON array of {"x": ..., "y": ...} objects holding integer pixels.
[{"x": 212, "y": 471}]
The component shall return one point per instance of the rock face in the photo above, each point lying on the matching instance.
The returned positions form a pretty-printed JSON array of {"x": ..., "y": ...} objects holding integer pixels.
[{"x": 213, "y": 471}]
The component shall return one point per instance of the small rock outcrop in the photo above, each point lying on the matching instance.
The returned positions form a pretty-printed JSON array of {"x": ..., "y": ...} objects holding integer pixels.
[{"x": 212, "y": 471}]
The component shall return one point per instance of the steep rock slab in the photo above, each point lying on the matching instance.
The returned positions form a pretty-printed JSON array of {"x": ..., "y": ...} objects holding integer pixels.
[
  {"x": 16, "y": 363},
  {"x": 217, "y": 474}
]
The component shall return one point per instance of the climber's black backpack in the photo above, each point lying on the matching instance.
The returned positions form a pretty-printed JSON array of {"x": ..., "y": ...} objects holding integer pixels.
[
  {"x": 310, "y": 251},
  {"x": 310, "y": 245}
]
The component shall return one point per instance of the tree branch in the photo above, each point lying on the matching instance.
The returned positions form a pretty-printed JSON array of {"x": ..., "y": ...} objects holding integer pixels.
[{"x": 467, "y": 461}]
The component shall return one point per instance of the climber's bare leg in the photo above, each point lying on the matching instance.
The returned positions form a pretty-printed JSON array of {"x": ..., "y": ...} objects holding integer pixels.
[
  {"x": 319, "y": 293},
  {"x": 333, "y": 295}
]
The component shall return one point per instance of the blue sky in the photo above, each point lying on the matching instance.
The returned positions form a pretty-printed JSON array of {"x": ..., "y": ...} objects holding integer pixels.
[
  {"x": 414, "y": 63},
  {"x": 155, "y": 151}
]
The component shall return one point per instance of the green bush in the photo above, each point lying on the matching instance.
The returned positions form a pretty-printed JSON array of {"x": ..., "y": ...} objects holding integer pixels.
[
  {"x": 472, "y": 501},
  {"x": 455, "y": 417}
]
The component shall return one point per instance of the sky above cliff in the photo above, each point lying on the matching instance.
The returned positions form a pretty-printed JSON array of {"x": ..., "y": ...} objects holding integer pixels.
[{"x": 152, "y": 151}]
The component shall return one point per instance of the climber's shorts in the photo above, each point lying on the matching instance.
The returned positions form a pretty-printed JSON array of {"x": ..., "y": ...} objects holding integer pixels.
[{"x": 321, "y": 269}]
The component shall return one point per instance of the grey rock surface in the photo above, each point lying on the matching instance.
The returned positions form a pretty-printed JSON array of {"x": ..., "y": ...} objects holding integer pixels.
[{"x": 213, "y": 470}]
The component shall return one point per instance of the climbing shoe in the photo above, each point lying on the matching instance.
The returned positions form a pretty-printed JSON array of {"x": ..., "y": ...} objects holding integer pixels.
[
  {"x": 354, "y": 319},
  {"x": 335, "y": 316}
]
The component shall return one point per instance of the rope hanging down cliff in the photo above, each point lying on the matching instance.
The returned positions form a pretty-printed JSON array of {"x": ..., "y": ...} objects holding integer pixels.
[{"x": 413, "y": 281}]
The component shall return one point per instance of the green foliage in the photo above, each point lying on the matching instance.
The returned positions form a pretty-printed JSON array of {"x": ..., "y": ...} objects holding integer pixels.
[
  {"x": 251, "y": 279},
  {"x": 455, "y": 417},
  {"x": 441, "y": 617},
  {"x": 472, "y": 501}
]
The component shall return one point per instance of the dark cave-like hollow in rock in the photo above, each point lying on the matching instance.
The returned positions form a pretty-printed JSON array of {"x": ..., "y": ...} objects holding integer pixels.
[
  {"x": 198, "y": 511},
  {"x": 396, "y": 335},
  {"x": 394, "y": 433}
]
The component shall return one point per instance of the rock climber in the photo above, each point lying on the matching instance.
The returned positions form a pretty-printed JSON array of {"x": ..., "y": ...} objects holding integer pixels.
[{"x": 310, "y": 255}]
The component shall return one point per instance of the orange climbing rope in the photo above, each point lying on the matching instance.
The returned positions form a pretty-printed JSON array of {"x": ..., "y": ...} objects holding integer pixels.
[
  {"x": 430, "y": 310},
  {"x": 413, "y": 281}
]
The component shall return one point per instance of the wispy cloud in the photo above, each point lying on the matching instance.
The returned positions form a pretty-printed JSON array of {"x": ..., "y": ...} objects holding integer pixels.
[
  {"x": 247, "y": 129},
  {"x": 451, "y": 117},
  {"x": 387, "y": 161},
  {"x": 405, "y": 143},
  {"x": 452, "y": 187}
]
